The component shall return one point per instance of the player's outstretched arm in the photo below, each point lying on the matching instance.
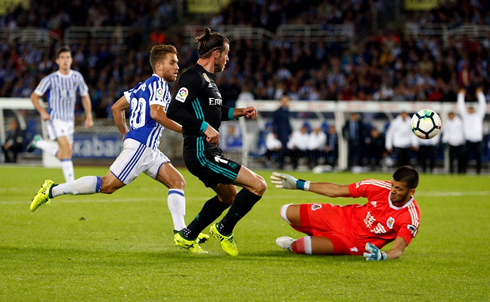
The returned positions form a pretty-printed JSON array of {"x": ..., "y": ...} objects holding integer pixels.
[
  {"x": 158, "y": 114},
  {"x": 119, "y": 113},
  {"x": 482, "y": 104},
  {"x": 375, "y": 254},
  {"x": 87, "y": 106},
  {"x": 460, "y": 101},
  {"x": 285, "y": 181},
  {"x": 250, "y": 112}
]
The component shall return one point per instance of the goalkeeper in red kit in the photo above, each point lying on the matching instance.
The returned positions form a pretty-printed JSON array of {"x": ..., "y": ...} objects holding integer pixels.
[{"x": 391, "y": 214}]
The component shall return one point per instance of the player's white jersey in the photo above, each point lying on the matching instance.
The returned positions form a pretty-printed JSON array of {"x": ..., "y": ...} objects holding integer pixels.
[
  {"x": 61, "y": 93},
  {"x": 143, "y": 128}
]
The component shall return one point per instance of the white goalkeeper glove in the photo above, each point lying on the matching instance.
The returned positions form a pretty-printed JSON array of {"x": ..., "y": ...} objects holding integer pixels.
[
  {"x": 374, "y": 253},
  {"x": 285, "y": 181}
]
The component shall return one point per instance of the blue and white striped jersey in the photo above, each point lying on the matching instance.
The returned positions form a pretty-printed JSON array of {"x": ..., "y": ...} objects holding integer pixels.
[
  {"x": 154, "y": 91},
  {"x": 61, "y": 93}
]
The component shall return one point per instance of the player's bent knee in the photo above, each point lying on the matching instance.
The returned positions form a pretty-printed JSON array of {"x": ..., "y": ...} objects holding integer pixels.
[
  {"x": 178, "y": 184},
  {"x": 283, "y": 212},
  {"x": 260, "y": 185}
]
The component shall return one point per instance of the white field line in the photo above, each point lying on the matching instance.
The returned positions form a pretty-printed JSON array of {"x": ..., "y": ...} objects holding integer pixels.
[{"x": 309, "y": 197}]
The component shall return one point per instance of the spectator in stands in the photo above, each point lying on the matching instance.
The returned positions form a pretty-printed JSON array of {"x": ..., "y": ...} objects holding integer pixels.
[
  {"x": 282, "y": 127},
  {"x": 273, "y": 146},
  {"x": 453, "y": 136},
  {"x": 427, "y": 152},
  {"x": 316, "y": 146},
  {"x": 354, "y": 133},
  {"x": 473, "y": 124},
  {"x": 332, "y": 146},
  {"x": 14, "y": 142},
  {"x": 375, "y": 147},
  {"x": 298, "y": 145},
  {"x": 400, "y": 139}
]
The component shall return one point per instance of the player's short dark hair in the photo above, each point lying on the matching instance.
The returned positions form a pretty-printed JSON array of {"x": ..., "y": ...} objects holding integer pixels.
[
  {"x": 408, "y": 175},
  {"x": 209, "y": 42},
  {"x": 158, "y": 53},
  {"x": 61, "y": 50}
]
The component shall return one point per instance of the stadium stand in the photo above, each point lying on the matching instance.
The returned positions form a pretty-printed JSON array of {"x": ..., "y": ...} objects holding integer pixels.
[{"x": 427, "y": 59}]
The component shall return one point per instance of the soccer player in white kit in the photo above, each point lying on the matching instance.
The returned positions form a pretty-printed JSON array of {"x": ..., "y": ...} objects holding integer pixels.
[
  {"x": 148, "y": 103},
  {"x": 61, "y": 88}
]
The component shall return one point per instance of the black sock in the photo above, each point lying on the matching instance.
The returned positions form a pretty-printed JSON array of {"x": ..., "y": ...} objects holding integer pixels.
[
  {"x": 244, "y": 201},
  {"x": 211, "y": 210}
]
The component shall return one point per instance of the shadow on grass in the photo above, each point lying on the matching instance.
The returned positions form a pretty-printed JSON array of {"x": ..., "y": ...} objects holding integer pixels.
[{"x": 80, "y": 255}]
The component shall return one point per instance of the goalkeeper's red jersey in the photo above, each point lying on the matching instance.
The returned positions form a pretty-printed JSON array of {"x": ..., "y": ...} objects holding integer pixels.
[{"x": 379, "y": 221}]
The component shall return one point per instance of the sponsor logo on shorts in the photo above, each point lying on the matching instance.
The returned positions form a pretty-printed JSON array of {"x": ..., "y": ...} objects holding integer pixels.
[
  {"x": 354, "y": 249},
  {"x": 232, "y": 165},
  {"x": 182, "y": 94},
  {"x": 316, "y": 207}
]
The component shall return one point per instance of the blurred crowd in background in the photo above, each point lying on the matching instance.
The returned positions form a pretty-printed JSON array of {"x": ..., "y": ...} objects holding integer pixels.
[{"x": 388, "y": 65}]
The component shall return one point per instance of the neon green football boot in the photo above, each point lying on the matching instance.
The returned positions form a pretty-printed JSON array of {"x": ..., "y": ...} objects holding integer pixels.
[
  {"x": 190, "y": 245},
  {"x": 227, "y": 242},
  {"x": 42, "y": 196},
  {"x": 202, "y": 238}
]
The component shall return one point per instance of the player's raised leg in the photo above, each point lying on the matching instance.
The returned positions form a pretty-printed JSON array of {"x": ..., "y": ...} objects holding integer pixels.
[
  {"x": 211, "y": 210},
  {"x": 254, "y": 187},
  {"x": 83, "y": 186}
]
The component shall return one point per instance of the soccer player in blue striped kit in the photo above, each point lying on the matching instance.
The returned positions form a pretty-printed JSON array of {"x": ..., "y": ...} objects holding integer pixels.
[
  {"x": 61, "y": 89},
  {"x": 148, "y": 103}
]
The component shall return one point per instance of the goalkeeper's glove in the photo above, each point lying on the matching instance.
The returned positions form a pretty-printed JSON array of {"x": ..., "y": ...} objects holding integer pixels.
[
  {"x": 374, "y": 253},
  {"x": 284, "y": 181}
]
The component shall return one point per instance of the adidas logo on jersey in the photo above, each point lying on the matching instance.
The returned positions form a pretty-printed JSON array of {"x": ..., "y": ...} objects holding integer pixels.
[{"x": 210, "y": 85}]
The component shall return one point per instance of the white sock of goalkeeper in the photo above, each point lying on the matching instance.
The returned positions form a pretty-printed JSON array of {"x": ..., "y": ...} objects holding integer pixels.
[
  {"x": 82, "y": 186},
  {"x": 176, "y": 205},
  {"x": 48, "y": 147},
  {"x": 67, "y": 167}
]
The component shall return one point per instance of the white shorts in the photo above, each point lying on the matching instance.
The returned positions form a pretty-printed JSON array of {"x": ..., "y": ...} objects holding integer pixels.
[
  {"x": 136, "y": 158},
  {"x": 59, "y": 128}
]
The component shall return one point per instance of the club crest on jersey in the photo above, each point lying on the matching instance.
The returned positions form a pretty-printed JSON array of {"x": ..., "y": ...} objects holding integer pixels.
[
  {"x": 205, "y": 76},
  {"x": 316, "y": 207},
  {"x": 182, "y": 94},
  {"x": 390, "y": 222},
  {"x": 412, "y": 229}
]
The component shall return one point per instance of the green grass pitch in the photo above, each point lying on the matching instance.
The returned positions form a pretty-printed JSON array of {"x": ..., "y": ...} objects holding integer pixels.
[{"x": 120, "y": 247}]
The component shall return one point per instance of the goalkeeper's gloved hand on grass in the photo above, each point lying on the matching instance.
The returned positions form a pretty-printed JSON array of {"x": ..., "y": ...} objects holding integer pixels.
[
  {"x": 285, "y": 181},
  {"x": 374, "y": 253}
]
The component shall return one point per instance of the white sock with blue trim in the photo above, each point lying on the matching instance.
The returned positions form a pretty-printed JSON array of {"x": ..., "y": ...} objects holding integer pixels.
[
  {"x": 82, "y": 186},
  {"x": 176, "y": 205},
  {"x": 67, "y": 167}
]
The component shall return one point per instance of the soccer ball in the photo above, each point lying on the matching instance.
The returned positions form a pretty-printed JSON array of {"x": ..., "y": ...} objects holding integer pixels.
[{"x": 426, "y": 124}]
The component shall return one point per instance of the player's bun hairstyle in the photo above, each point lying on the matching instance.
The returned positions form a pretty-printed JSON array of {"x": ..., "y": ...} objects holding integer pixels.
[
  {"x": 61, "y": 50},
  {"x": 158, "y": 53},
  {"x": 408, "y": 175},
  {"x": 209, "y": 42}
]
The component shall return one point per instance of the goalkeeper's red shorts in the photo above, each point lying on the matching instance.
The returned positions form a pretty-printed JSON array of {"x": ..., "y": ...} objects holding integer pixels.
[{"x": 326, "y": 220}]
